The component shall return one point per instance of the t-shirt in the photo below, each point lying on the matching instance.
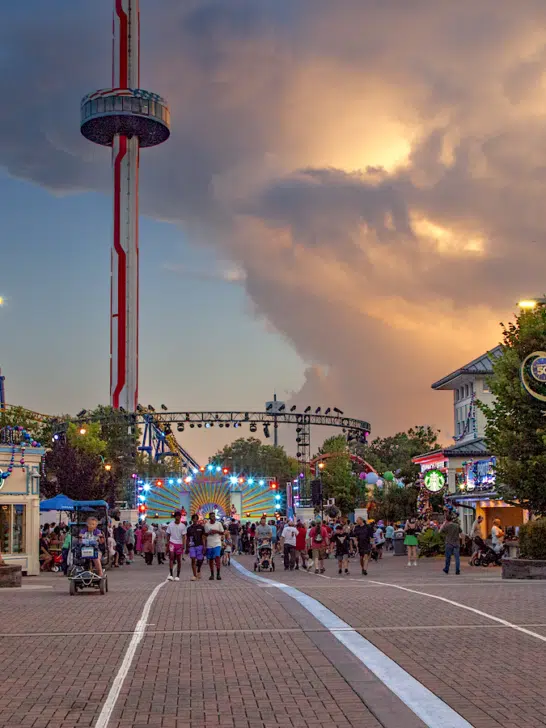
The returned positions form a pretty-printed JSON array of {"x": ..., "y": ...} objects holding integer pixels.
[
  {"x": 389, "y": 532},
  {"x": 264, "y": 533},
  {"x": 234, "y": 528},
  {"x": 214, "y": 533},
  {"x": 119, "y": 534},
  {"x": 196, "y": 534},
  {"x": 476, "y": 530},
  {"x": 315, "y": 531},
  {"x": 341, "y": 542},
  {"x": 452, "y": 533},
  {"x": 176, "y": 531},
  {"x": 496, "y": 535},
  {"x": 290, "y": 534},
  {"x": 300, "y": 538},
  {"x": 130, "y": 537},
  {"x": 362, "y": 535}
]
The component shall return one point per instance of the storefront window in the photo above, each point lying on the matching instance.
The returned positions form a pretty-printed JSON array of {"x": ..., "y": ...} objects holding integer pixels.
[
  {"x": 18, "y": 529},
  {"x": 5, "y": 518}
]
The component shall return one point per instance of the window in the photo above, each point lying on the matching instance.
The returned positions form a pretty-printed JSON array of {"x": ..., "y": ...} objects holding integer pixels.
[
  {"x": 12, "y": 529},
  {"x": 118, "y": 104},
  {"x": 135, "y": 105},
  {"x": 145, "y": 106},
  {"x": 93, "y": 107},
  {"x": 109, "y": 104},
  {"x": 486, "y": 388},
  {"x": 100, "y": 105},
  {"x": 456, "y": 395},
  {"x": 466, "y": 390}
]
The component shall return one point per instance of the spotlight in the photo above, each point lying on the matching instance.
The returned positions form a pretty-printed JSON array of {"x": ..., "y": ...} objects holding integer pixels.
[
  {"x": 225, "y": 471},
  {"x": 307, "y": 409},
  {"x": 81, "y": 413},
  {"x": 253, "y": 427},
  {"x": 293, "y": 408},
  {"x": 200, "y": 424},
  {"x": 139, "y": 408},
  {"x": 298, "y": 455},
  {"x": 261, "y": 482},
  {"x": 192, "y": 424},
  {"x": 221, "y": 424},
  {"x": 218, "y": 469},
  {"x": 188, "y": 479},
  {"x": 146, "y": 487},
  {"x": 328, "y": 411},
  {"x": 266, "y": 430},
  {"x": 82, "y": 430},
  {"x": 122, "y": 409},
  {"x": 227, "y": 424},
  {"x": 179, "y": 481},
  {"x": 235, "y": 424},
  {"x": 250, "y": 481},
  {"x": 282, "y": 408},
  {"x": 171, "y": 482},
  {"x": 299, "y": 429},
  {"x": 207, "y": 424},
  {"x": 159, "y": 483},
  {"x": 269, "y": 407},
  {"x": 164, "y": 407},
  {"x": 202, "y": 469},
  {"x": 180, "y": 427},
  {"x": 336, "y": 409},
  {"x": 210, "y": 467},
  {"x": 151, "y": 408},
  {"x": 233, "y": 480},
  {"x": 317, "y": 410}
]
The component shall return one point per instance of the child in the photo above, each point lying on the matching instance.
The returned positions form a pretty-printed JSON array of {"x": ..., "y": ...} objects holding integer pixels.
[
  {"x": 90, "y": 536},
  {"x": 340, "y": 540},
  {"x": 228, "y": 548}
]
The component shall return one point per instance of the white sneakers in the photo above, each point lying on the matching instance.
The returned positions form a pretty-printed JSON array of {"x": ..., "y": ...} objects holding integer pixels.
[
  {"x": 176, "y": 578},
  {"x": 171, "y": 578}
]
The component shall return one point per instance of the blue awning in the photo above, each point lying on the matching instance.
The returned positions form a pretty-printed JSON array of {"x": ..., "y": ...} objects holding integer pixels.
[{"x": 60, "y": 502}]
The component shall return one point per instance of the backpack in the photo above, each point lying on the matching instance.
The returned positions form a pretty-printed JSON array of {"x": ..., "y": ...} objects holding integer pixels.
[{"x": 318, "y": 534}]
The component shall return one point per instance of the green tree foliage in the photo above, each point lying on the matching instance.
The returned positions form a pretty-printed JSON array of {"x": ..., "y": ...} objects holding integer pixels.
[
  {"x": 394, "y": 504},
  {"x": 396, "y": 452},
  {"x": 21, "y": 417},
  {"x": 76, "y": 473},
  {"x": 252, "y": 457},
  {"x": 338, "y": 479},
  {"x": 87, "y": 438},
  {"x": 516, "y": 426}
]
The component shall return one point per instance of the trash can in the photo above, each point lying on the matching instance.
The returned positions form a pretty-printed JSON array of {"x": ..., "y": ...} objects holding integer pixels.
[{"x": 398, "y": 542}]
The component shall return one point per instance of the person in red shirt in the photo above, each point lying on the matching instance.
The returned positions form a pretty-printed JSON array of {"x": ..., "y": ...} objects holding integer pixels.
[
  {"x": 301, "y": 548},
  {"x": 319, "y": 545}
]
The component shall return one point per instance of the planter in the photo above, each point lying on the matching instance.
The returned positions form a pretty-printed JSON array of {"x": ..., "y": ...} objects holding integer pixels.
[
  {"x": 10, "y": 576},
  {"x": 523, "y": 569}
]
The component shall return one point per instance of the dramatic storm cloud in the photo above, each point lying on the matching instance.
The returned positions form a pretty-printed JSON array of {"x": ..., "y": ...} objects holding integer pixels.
[{"x": 372, "y": 169}]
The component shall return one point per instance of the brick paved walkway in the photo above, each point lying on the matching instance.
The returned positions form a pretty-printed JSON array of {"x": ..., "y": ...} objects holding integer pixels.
[{"x": 238, "y": 654}]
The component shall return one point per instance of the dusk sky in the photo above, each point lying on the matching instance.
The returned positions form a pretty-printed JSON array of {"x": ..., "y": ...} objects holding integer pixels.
[{"x": 351, "y": 199}]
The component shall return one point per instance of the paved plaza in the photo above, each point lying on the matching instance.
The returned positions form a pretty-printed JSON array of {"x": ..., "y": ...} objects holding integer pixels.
[{"x": 264, "y": 652}]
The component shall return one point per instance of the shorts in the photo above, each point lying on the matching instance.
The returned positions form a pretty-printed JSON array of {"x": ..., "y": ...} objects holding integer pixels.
[
  {"x": 364, "y": 550},
  {"x": 319, "y": 554},
  {"x": 196, "y": 552},
  {"x": 130, "y": 546},
  {"x": 214, "y": 553},
  {"x": 227, "y": 550},
  {"x": 176, "y": 549}
]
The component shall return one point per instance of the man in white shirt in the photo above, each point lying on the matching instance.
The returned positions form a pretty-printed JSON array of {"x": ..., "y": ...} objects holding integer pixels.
[
  {"x": 214, "y": 531},
  {"x": 176, "y": 540},
  {"x": 288, "y": 538}
]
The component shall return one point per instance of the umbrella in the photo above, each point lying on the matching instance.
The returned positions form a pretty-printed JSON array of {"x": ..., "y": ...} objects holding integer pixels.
[{"x": 60, "y": 502}]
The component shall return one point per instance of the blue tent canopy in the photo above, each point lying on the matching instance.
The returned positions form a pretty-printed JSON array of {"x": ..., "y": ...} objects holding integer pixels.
[
  {"x": 60, "y": 502},
  {"x": 89, "y": 505}
]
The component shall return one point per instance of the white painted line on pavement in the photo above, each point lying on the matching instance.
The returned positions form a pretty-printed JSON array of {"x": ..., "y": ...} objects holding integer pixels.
[
  {"x": 138, "y": 634},
  {"x": 504, "y": 622},
  {"x": 427, "y": 706}
]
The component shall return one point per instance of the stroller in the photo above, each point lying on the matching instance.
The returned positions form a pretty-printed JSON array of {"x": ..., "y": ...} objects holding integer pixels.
[
  {"x": 264, "y": 557},
  {"x": 486, "y": 555}
]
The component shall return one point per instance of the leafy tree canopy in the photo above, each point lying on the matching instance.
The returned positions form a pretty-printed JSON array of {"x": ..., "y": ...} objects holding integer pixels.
[
  {"x": 516, "y": 426},
  {"x": 250, "y": 455},
  {"x": 394, "y": 504},
  {"x": 338, "y": 479}
]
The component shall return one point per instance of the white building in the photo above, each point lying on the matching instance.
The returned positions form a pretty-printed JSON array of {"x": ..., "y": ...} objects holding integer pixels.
[{"x": 468, "y": 464}]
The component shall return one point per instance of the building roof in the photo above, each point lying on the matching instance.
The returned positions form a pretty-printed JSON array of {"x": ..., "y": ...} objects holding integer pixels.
[
  {"x": 471, "y": 448},
  {"x": 482, "y": 365}
]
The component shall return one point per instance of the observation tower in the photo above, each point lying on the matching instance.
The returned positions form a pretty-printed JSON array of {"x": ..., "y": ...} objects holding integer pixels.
[{"x": 125, "y": 118}]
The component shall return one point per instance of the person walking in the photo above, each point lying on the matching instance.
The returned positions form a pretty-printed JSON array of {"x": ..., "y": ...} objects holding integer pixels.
[
  {"x": 477, "y": 533},
  {"x": 288, "y": 538},
  {"x": 119, "y": 537},
  {"x": 147, "y": 544},
  {"x": 452, "y": 532},
  {"x": 214, "y": 531},
  {"x": 340, "y": 540},
  {"x": 319, "y": 545},
  {"x": 234, "y": 529},
  {"x": 129, "y": 542},
  {"x": 389, "y": 536},
  {"x": 362, "y": 534},
  {"x": 160, "y": 543},
  {"x": 301, "y": 549},
  {"x": 138, "y": 539},
  {"x": 411, "y": 530},
  {"x": 263, "y": 532},
  {"x": 195, "y": 546},
  {"x": 176, "y": 540}
]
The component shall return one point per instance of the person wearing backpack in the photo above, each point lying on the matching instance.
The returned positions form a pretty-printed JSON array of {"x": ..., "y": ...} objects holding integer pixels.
[{"x": 319, "y": 545}]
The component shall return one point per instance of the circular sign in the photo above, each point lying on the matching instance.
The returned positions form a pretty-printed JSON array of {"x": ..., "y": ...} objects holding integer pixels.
[
  {"x": 533, "y": 375},
  {"x": 434, "y": 480}
]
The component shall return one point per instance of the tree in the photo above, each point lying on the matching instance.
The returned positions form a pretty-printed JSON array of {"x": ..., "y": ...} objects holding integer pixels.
[
  {"x": 21, "y": 417},
  {"x": 252, "y": 457},
  {"x": 516, "y": 428},
  {"x": 395, "y": 453},
  {"x": 76, "y": 473},
  {"x": 338, "y": 479},
  {"x": 393, "y": 503}
]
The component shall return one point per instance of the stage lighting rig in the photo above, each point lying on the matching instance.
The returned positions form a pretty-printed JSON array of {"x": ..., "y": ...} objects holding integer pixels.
[{"x": 307, "y": 409}]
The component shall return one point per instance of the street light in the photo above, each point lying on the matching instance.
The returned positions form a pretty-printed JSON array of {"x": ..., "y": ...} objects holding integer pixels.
[
  {"x": 528, "y": 304},
  {"x": 82, "y": 430},
  {"x": 108, "y": 466}
]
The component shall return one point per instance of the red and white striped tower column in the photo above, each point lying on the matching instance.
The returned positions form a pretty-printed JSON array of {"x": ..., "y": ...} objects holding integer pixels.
[
  {"x": 125, "y": 158},
  {"x": 125, "y": 118}
]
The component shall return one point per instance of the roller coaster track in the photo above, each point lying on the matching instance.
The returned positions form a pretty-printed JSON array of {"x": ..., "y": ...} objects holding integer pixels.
[{"x": 36, "y": 416}]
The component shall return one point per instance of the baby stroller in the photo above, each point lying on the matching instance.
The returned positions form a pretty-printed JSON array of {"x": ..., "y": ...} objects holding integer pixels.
[
  {"x": 264, "y": 557},
  {"x": 486, "y": 555}
]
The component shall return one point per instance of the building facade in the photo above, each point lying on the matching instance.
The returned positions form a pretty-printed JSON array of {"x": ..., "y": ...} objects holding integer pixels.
[
  {"x": 467, "y": 464},
  {"x": 20, "y": 507}
]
